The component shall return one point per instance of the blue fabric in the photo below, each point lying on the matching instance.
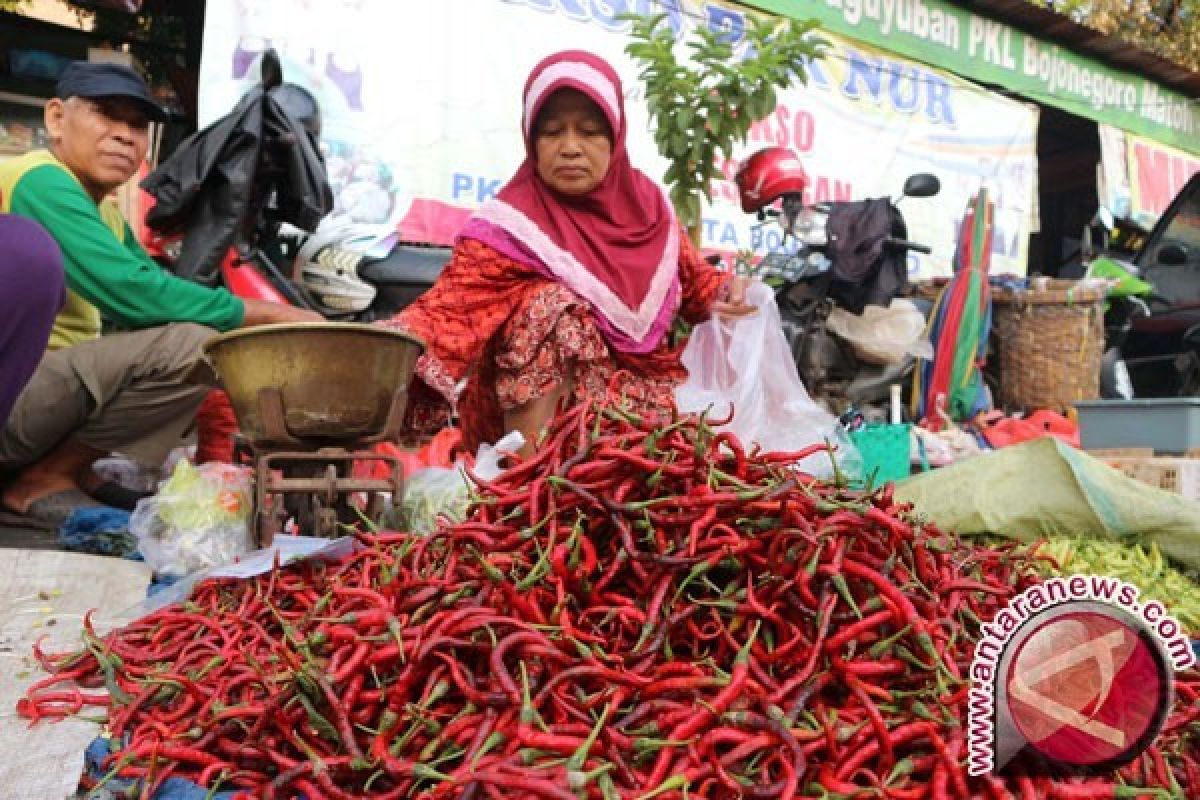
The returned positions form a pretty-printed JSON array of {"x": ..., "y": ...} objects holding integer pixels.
[
  {"x": 160, "y": 583},
  {"x": 979, "y": 438},
  {"x": 99, "y": 530},
  {"x": 172, "y": 788},
  {"x": 1010, "y": 282}
]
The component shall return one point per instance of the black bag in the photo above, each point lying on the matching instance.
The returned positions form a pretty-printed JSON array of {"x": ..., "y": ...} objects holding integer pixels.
[
  {"x": 254, "y": 168},
  {"x": 865, "y": 270}
]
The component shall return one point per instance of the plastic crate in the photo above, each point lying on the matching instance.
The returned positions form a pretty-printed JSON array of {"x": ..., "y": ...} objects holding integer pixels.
[
  {"x": 885, "y": 452},
  {"x": 1166, "y": 425}
]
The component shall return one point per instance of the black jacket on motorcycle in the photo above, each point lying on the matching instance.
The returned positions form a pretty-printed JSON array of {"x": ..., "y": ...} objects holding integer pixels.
[
  {"x": 865, "y": 270},
  {"x": 255, "y": 166}
]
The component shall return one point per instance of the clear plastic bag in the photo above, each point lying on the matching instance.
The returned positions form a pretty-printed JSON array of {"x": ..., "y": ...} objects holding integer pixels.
[
  {"x": 431, "y": 493},
  {"x": 747, "y": 362},
  {"x": 198, "y": 519},
  {"x": 445, "y": 491},
  {"x": 883, "y": 335}
]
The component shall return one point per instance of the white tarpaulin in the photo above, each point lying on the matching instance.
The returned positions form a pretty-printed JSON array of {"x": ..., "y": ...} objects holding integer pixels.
[
  {"x": 46, "y": 593},
  {"x": 421, "y": 104}
]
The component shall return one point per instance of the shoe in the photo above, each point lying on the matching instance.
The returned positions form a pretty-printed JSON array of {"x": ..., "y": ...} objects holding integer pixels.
[{"x": 114, "y": 494}]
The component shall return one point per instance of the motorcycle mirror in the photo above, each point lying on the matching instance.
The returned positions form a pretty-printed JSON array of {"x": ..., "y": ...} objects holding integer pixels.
[
  {"x": 1173, "y": 255},
  {"x": 923, "y": 184},
  {"x": 272, "y": 70}
]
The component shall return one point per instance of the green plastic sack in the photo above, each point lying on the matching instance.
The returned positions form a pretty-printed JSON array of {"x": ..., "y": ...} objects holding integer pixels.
[{"x": 1047, "y": 488}]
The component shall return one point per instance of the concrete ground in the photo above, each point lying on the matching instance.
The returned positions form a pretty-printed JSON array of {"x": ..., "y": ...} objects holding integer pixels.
[{"x": 15, "y": 532}]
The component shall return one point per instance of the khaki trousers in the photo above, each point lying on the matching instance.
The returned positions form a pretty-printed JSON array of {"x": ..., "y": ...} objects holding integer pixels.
[{"x": 135, "y": 393}]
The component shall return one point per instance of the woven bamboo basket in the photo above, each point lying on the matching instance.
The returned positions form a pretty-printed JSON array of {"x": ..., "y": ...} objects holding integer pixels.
[{"x": 1047, "y": 342}]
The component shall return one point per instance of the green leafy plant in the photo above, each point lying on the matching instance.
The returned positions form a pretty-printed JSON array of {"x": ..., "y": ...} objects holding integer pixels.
[
  {"x": 157, "y": 32},
  {"x": 707, "y": 107}
]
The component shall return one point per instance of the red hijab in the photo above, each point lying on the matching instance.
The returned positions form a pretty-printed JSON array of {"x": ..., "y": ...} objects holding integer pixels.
[{"x": 618, "y": 245}]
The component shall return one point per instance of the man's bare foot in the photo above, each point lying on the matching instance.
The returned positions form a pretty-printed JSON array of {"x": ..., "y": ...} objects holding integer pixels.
[
  {"x": 30, "y": 487},
  {"x": 58, "y": 471}
]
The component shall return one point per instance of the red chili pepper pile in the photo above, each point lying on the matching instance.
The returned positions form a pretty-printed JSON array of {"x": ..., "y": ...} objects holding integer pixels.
[{"x": 634, "y": 612}]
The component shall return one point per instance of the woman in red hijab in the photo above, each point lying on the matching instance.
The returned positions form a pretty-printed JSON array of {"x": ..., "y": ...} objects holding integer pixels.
[{"x": 566, "y": 284}]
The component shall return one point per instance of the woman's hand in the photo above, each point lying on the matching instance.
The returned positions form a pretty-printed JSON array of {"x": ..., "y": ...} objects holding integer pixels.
[{"x": 735, "y": 305}]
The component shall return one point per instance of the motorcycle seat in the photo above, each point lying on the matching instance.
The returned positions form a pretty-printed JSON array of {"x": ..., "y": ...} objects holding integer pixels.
[{"x": 406, "y": 265}]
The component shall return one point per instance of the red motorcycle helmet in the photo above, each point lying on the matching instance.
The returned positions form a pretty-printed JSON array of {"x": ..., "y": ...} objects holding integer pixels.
[{"x": 769, "y": 173}]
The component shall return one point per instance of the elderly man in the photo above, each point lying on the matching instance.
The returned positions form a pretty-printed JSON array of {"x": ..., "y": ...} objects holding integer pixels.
[{"x": 127, "y": 391}]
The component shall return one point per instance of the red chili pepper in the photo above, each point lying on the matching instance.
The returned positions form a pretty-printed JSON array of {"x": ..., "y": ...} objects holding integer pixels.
[
  {"x": 855, "y": 631},
  {"x": 662, "y": 578}
]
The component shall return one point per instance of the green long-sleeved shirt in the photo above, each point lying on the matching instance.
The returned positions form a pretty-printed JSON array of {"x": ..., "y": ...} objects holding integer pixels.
[{"x": 107, "y": 271}]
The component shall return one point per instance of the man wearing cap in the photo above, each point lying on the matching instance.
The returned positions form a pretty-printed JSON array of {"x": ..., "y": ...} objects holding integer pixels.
[{"x": 127, "y": 391}]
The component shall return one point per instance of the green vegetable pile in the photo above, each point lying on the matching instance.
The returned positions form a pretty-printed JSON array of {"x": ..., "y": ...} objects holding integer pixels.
[{"x": 1144, "y": 567}]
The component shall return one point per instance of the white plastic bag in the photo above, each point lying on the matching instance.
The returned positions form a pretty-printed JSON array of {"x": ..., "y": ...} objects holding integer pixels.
[
  {"x": 944, "y": 447},
  {"x": 488, "y": 458},
  {"x": 126, "y": 472},
  {"x": 445, "y": 491},
  {"x": 883, "y": 335},
  {"x": 747, "y": 362},
  {"x": 198, "y": 519},
  {"x": 285, "y": 549}
]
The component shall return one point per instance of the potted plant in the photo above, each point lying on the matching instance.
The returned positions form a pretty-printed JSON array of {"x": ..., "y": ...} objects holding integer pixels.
[{"x": 707, "y": 107}]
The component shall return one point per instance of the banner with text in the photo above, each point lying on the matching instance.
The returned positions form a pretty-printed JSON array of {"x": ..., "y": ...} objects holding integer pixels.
[
  {"x": 989, "y": 51},
  {"x": 1141, "y": 177},
  {"x": 421, "y": 109}
]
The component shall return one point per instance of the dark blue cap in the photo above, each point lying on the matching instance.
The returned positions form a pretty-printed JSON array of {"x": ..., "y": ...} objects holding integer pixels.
[{"x": 94, "y": 80}]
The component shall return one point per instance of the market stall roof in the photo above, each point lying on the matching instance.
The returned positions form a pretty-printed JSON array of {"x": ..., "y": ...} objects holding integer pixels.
[{"x": 1116, "y": 52}]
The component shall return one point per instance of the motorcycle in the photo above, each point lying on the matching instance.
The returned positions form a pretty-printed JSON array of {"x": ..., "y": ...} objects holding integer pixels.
[
  {"x": 1125, "y": 303},
  {"x": 836, "y": 259},
  {"x": 345, "y": 275},
  {"x": 1153, "y": 310}
]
